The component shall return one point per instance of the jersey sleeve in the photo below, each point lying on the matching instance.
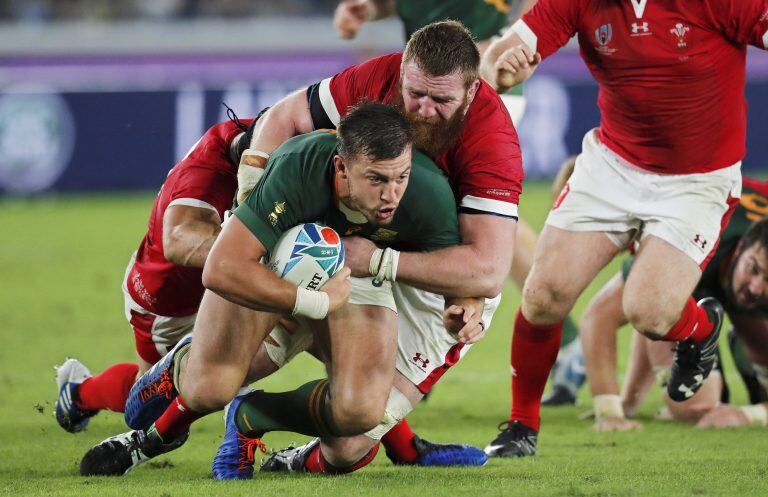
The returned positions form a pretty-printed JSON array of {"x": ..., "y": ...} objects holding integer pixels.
[
  {"x": 491, "y": 174},
  {"x": 275, "y": 205},
  {"x": 204, "y": 187},
  {"x": 549, "y": 25},
  {"x": 330, "y": 98},
  {"x": 744, "y": 21}
]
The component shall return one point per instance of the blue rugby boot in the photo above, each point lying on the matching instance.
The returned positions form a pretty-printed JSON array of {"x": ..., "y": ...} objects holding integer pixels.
[
  {"x": 151, "y": 395},
  {"x": 69, "y": 377},
  {"x": 438, "y": 454},
  {"x": 236, "y": 455}
]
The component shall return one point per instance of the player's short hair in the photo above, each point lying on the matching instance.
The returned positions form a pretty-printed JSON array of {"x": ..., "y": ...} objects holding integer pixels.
[
  {"x": 757, "y": 233},
  {"x": 373, "y": 130},
  {"x": 443, "y": 48}
]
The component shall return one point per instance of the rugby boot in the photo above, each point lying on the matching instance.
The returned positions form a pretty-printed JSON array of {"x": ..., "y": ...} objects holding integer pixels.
[
  {"x": 694, "y": 361},
  {"x": 439, "y": 454},
  {"x": 120, "y": 454},
  {"x": 515, "y": 440},
  {"x": 235, "y": 458},
  {"x": 151, "y": 395},
  {"x": 69, "y": 377},
  {"x": 290, "y": 459},
  {"x": 559, "y": 396}
]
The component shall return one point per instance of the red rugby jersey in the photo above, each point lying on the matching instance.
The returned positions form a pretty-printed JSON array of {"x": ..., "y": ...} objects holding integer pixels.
[
  {"x": 205, "y": 178},
  {"x": 671, "y": 73},
  {"x": 484, "y": 166}
]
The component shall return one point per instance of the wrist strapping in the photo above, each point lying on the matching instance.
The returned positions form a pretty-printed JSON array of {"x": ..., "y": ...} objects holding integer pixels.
[
  {"x": 608, "y": 406},
  {"x": 311, "y": 304},
  {"x": 383, "y": 265},
  {"x": 756, "y": 414},
  {"x": 250, "y": 170}
]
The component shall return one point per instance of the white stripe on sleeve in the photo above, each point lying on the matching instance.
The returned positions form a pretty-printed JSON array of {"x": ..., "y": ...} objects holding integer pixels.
[
  {"x": 193, "y": 202},
  {"x": 329, "y": 105},
  {"x": 527, "y": 35},
  {"x": 489, "y": 205}
]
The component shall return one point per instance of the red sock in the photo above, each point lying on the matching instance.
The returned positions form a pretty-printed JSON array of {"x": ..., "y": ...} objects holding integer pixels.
[
  {"x": 693, "y": 323},
  {"x": 534, "y": 350},
  {"x": 176, "y": 420},
  {"x": 316, "y": 462},
  {"x": 399, "y": 443},
  {"x": 108, "y": 390}
]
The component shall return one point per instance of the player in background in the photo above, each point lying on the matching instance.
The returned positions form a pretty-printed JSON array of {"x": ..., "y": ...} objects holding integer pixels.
[
  {"x": 461, "y": 123},
  {"x": 737, "y": 276},
  {"x": 663, "y": 169},
  {"x": 356, "y": 187},
  {"x": 485, "y": 20}
]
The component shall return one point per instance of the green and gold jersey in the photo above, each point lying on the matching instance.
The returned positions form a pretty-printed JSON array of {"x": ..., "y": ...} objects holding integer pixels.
[
  {"x": 298, "y": 187},
  {"x": 483, "y": 18}
]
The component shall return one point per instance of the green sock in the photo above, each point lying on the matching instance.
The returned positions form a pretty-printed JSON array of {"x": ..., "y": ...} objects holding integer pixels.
[
  {"x": 303, "y": 410},
  {"x": 570, "y": 332}
]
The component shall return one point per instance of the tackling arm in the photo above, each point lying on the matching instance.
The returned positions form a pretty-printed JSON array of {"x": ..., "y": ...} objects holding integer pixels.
[
  {"x": 188, "y": 234},
  {"x": 509, "y": 60},
  {"x": 479, "y": 266}
]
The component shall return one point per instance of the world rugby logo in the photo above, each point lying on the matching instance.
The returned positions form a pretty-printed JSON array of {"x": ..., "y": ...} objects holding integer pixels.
[{"x": 37, "y": 135}]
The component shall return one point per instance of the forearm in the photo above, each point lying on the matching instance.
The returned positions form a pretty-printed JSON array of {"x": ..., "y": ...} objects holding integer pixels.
[
  {"x": 287, "y": 118},
  {"x": 458, "y": 271},
  {"x": 639, "y": 378},
  {"x": 189, "y": 244},
  {"x": 250, "y": 285}
]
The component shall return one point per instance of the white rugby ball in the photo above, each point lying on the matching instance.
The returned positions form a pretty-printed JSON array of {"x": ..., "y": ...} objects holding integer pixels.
[{"x": 307, "y": 255}]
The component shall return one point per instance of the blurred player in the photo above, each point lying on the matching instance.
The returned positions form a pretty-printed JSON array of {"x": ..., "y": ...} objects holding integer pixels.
[
  {"x": 663, "y": 168},
  {"x": 358, "y": 188},
  {"x": 737, "y": 276},
  {"x": 461, "y": 123}
]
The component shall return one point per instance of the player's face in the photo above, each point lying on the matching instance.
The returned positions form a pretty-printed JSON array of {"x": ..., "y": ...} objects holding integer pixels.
[
  {"x": 375, "y": 188},
  {"x": 433, "y": 98},
  {"x": 749, "y": 279}
]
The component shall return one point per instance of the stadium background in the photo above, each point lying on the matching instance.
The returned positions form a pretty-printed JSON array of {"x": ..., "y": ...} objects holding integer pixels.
[{"x": 97, "y": 101}]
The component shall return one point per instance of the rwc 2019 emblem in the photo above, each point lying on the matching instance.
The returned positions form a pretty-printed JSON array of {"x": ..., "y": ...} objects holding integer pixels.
[{"x": 603, "y": 36}]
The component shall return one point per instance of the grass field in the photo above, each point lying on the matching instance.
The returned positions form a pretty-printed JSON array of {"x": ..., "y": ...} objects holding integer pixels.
[{"x": 61, "y": 265}]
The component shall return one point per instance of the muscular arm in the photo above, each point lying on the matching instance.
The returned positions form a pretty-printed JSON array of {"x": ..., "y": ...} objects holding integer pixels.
[
  {"x": 188, "y": 234},
  {"x": 287, "y": 118},
  {"x": 477, "y": 267},
  {"x": 233, "y": 271}
]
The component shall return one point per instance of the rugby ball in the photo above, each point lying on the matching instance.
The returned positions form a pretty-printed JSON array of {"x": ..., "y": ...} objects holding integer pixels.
[{"x": 307, "y": 255}]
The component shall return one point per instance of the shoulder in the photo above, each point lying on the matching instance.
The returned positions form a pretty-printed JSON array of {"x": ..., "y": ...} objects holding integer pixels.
[
  {"x": 317, "y": 142},
  {"x": 488, "y": 123}
]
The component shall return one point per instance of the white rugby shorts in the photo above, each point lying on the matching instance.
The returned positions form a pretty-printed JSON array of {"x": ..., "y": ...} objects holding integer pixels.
[{"x": 608, "y": 194}]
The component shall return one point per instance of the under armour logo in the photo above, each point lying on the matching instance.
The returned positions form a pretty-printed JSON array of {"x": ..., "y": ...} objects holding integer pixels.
[
  {"x": 637, "y": 28},
  {"x": 423, "y": 360},
  {"x": 700, "y": 241},
  {"x": 689, "y": 391}
]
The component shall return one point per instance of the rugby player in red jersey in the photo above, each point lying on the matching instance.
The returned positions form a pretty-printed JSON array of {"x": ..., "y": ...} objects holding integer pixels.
[
  {"x": 663, "y": 169},
  {"x": 162, "y": 286}
]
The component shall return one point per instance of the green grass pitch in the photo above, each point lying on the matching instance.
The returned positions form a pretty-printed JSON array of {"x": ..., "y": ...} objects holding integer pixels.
[{"x": 61, "y": 264}]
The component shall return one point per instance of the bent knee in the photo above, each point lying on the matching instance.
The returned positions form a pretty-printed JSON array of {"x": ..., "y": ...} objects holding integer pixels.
[
  {"x": 355, "y": 416},
  {"x": 649, "y": 321},
  {"x": 544, "y": 304},
  {"x": 207, "y": 395}
]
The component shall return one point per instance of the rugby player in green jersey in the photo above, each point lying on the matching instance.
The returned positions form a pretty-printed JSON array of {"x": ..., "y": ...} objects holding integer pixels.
[
  {"x": 358, "y": 186},
  {"x": 737, "y": 277}
]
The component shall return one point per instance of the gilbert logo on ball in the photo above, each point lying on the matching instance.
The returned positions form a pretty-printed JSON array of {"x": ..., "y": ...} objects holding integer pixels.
[{"x": 308, "y": 255}]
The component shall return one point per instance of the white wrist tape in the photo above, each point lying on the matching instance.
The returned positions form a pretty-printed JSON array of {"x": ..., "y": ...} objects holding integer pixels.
[
  {"x": 250, "y": 170},
  {"x": 311, "y": 304},
  {"x": 756, "y": 414},
  {"x": 383, "y": 265},
  {"x": 608, "y": 406}
]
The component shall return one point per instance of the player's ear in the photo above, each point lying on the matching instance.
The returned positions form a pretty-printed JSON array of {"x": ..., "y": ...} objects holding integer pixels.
[
  {"x": 340, "y": 166},
  {"x": 473, "y": 90}
]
